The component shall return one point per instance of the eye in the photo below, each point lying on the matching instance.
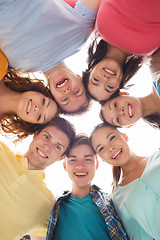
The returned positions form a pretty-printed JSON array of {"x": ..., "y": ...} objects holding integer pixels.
[
  {"x": 58, "y": 147},
  {"x": 115, "y": 105},
  {"x": 118, "y": 120},
  {"x": 100, "y": 149},
  {"x": 88, "y": 159},
  {"x": 46, "y": 136},
  {"x": 96, "y": 80},
  {"x": 39, "y": 117},
  {"x": 77, "y": 91},
  {"x": 43, "y": 101},
  {"x": 112, "y": 138},
  {"x": 72, "y": 160},
  {"x": 110, "y": 86},
  {"x": 64, "y": 99}
]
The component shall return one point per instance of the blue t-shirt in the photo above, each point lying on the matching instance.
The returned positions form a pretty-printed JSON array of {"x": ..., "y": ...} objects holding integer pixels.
[
  {"x": 37, "y": 35},
  {"x": 138, "y": 203},
  {"x": 80, "y": 218}
]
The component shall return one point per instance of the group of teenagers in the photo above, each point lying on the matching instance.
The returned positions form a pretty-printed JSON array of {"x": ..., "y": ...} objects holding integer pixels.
[{"x": 37, "y": 36}]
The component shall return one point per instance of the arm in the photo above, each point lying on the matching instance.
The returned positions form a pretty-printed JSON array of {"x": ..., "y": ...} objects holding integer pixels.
[{"x": 94, "y": 4}]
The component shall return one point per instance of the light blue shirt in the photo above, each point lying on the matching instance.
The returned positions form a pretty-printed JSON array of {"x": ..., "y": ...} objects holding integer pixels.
[
  {"x": 37, "y": 35},
  {"x": 138, "y": 203},
  {"x": 80, "y": 218}
]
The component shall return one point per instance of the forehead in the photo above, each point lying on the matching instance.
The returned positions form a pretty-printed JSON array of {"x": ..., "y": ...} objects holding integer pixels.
[
  {"x": 82, "y": 149},
  {"x": 102, "y": 133},
  {"x": 75, "y": 103},
  {"x": 55, "y": 133}
]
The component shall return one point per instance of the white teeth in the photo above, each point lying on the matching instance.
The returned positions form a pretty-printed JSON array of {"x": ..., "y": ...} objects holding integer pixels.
[
  {"x": 29, "y": 106},
  {"x": 130, "y": 111},
  {"x": 117, "y": 154},
  {"x": 80, "y": 174},
  {"x": 41, "y": 153},
  {"x": 62, "y": 84},
  {"x": 109, "y": 71}
]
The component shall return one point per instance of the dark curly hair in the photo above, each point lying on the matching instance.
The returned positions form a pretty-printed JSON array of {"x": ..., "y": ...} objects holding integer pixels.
[
  {"x": 96, "y": 52},
  {"x": 11, "y": 123}
]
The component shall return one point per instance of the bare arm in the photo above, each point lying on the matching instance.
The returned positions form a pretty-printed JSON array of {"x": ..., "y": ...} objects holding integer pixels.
[{"x": 94, "y": 4}]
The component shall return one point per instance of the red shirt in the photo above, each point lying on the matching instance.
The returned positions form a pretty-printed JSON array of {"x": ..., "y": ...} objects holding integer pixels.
[{"x": 132, "y": 25}]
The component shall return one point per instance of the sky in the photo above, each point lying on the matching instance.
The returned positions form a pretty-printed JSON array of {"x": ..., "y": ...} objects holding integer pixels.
[{"x": 143, "y": 139}]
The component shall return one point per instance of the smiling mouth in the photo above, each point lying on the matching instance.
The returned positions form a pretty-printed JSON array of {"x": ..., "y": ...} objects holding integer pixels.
[
  {"x": 41, "y": 153},
  {"x": 117, "y": 154},
  {"x": 80, "y": 174},
  {"x": 29, "y": 104},
  {"x": 109, "y": 71},
  {"x": 61, "y": 82},
  {"x": 130, "y": 113}
]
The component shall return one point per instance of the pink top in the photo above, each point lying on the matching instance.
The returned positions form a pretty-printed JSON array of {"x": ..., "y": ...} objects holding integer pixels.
[{"x": 132, "y": 25}]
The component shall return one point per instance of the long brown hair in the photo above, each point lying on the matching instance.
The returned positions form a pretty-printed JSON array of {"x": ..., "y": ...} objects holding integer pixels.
[{"x": 11, "y": 123}]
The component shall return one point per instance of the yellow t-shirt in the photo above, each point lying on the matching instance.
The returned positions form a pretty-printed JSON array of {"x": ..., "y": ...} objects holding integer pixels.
[
  {"x": 25, "y": 201},
  {"x": 3, "y": 65}
]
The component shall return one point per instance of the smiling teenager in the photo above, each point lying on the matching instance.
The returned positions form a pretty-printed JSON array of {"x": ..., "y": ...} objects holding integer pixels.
[
  {"x": 109, "y": 69},
  {"x": 125, "y": 110},
  {"x": 129, "y": 30},
  {"x": 23, "y": 192},
  {"x": 25, "y": 104},
  {"x": 53, "y": 30},
  {"x": 136, "y": 192},
  {"x": 77, "y": 214}
]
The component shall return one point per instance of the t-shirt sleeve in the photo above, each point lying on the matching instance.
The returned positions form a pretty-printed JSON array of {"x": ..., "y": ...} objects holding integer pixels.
[
  {"x": 3, "y": 65},
  {"x": 71, "y": 2}
]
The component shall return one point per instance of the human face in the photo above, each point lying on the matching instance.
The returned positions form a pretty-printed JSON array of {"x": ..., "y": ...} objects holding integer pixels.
[
  {"x": 81, "y": 165},
  {"x": 122, "y": 110},
  {"x": 47, "y": 147},
  {"x": 111, "y": 146},
  {"x": 67, "y": 89},
  {"x": 105, "y": 79},
  {"x": 34, "y": 107}
]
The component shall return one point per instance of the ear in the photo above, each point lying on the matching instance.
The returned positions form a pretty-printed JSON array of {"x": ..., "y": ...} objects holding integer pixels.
[
  {"x": 80, "y": 77},
  {"x": 97, "y": 162},
  {"x": 35, "y": 134},
  {"x": 123, "y": 93},
  {"x": 64, "y": 165},
  {"x": 129, "y": 125},
  {"x": 62, "y": 157},
  {"x": 125, "y": 137}
]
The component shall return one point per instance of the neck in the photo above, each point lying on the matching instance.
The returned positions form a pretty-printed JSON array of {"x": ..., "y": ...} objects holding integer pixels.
[
  {"x": 150, "y": 105},
  {"x": 117, "y": 54},
  {"x": 133, "y": 169},
  {"x": 80, "y": 192}
]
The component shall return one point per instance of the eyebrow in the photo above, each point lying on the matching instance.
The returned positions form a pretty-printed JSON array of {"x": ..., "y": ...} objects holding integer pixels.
[
  {"x": 73, "y": 156},
  {"x": 106, "y": 138}
]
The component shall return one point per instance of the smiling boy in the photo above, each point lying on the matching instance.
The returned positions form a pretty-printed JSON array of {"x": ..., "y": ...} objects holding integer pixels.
[
  {"x": 85, "y": 212},
  {"x": 25, "y": 200}
]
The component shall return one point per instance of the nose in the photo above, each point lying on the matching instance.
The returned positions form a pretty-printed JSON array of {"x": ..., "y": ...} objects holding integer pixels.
[
  {"x": 36, "y": 108},
  {"x": 122, "y": 111},
  {"x": 79, "y": 165},
  {"x": 66, "y": 90},
  {"x": 46, "y": 147},
  {"x": 111, "y": 148}
]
